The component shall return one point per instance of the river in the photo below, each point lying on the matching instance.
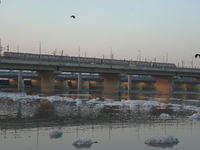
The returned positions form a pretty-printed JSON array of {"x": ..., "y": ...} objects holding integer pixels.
[{"x": 26, "y": 122}]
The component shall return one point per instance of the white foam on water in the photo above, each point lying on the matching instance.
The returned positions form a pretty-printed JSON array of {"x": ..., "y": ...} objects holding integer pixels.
[
  {"x": 164, "y": 116},
  {"x": 163, "y": 139},
  {"x": 82, "y": 141},
  {"x": 55, "y": 133}
]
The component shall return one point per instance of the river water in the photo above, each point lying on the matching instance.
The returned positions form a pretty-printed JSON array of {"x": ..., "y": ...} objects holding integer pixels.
[{"x": 26, "y": 122}]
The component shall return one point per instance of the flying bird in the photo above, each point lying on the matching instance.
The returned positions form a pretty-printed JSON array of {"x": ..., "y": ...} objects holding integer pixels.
[
  {"x": 72, "y": 16},
  {"x": 197, "y": 55}
]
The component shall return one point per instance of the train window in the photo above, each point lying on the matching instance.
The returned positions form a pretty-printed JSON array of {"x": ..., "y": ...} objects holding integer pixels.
[
  {"x": 106, "y": 61},
  {"x": 87, "y": 60},
  {"x": 63, "y": 58}
]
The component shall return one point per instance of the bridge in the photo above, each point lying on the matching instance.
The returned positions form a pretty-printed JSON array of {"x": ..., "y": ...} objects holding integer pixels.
[{"x": 110, "y": 73}]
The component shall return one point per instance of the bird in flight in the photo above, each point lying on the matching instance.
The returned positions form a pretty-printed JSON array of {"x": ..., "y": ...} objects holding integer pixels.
[
  {"x": 72, "y": 16},
  {"x": 197, "y": 55}
]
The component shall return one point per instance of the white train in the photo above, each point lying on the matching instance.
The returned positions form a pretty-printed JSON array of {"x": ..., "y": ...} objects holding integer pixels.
[{"x": 85, "y": 60}]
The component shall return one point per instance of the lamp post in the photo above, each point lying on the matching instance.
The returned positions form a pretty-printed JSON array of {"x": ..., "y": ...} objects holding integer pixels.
[
  {"x": 183, "y": 62},
  {"x": 139, "y": 55},
  {"x": 55, "y": 51},
  {"x": 111, "y": 54},
  {"x": 17, "y": 48},
  {"x": 192, "y": 61},
  {"x": 40, "y": 47},
  {"x": 166, "y": 57},
  {"x": 79, "y": 55}
]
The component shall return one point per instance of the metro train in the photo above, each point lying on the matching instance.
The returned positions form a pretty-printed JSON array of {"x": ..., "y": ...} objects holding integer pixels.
[{"x": 85, "y": 60}]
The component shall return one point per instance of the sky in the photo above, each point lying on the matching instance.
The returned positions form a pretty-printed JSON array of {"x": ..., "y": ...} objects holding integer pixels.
[{"x": 168, "y": 30}]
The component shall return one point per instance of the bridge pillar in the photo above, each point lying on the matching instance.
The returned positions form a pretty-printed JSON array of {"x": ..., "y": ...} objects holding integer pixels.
[
  {"x": 47, "y": 80},
  {"x": 79, "y": 81},
  {"x": 111, "y": 83},
  {"x": 129, "y": 86},
  {"x": 20, "y": 85},
  {"x": 164, "y": 84},
  {"x": 129, "y": 83}
]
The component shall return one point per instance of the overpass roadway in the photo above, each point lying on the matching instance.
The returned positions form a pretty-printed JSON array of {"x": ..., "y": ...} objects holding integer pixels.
[{"x": 96, "y": 68}]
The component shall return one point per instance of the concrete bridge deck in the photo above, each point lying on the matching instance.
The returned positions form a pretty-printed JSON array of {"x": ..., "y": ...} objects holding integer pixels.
[
  {"x": 94, "y": 68},
  {"x": 111, "y": 73}
]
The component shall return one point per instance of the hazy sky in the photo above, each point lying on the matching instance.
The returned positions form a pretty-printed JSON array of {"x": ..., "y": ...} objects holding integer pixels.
[{"x": 155, "y": 27}]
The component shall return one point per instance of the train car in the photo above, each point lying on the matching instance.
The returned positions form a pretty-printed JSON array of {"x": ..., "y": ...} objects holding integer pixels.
[
  {"x": 86, "y": 60},
  {"x": 22, "y": 56},
  {"x": 162, "y": 65}
]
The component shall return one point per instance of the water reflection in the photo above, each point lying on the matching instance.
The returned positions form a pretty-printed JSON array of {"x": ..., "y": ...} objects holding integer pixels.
[
  {"x": 82, "y": 143},
  {"x": 46, "y": 110},
  {"x": 82, "y": 146},
  {"x": 77, "y": 127},
  {"x": 161, "y": 145},
  {"x": 39, "y": 116}
]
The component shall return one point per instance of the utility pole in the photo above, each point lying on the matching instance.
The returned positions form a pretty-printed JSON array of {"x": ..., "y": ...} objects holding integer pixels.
[
  {"x": 111, "y": 53},
  {"x": 40, "y": 50},
  {"x": 192, "y": 62},
  {"x": 79, "y": 55},
  {"x": 61, "y": 55},
  {"x": 183, "y": 62},
  {"x": 17, "y": 48},
  {"x": 55, "y": 51},
  {"x": 166, "y": 57},
  {"x": 139, "y": 55}
]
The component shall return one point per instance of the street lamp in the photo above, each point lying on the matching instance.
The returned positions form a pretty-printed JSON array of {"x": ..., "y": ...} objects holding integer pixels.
[
  {"x": 166, "y": 57},
  {"x": 79, "y": 55},
  {"x": 183, "y": 62},
  {"x": 40, "y": 50},
  {"x": 111, "y": 54},
  {"x": 55, "y": 51},
  {"x": 139, "y": 55},
  {"x": 192, "y": 61},
  {"x": 79, "y": 51}
]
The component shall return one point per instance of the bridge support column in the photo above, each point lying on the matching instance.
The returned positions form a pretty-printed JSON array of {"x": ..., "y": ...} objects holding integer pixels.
[
  {"x": 164, "y": 84},
  {"x": 20, "y": 85},
  {"x": 111, "y": 83},
  {"x": 79, "y": 81},
  {"x": 129, "y": 83},
  {"x": 47, "y": 80},
  {"x": 129, "y": 86}
]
